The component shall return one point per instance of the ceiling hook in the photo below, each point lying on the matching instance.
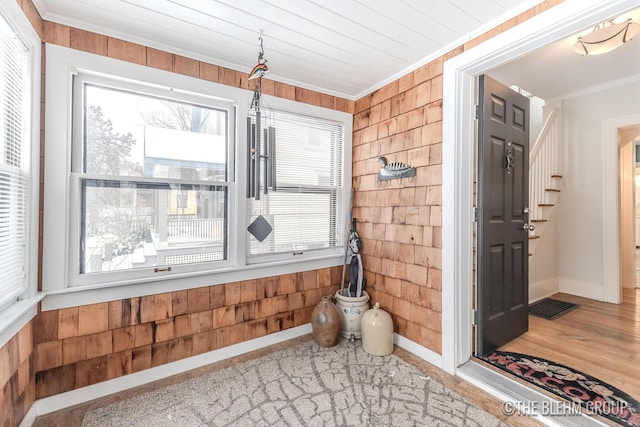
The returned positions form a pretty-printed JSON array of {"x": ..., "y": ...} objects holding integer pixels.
[{"x": 261, "y": 59}]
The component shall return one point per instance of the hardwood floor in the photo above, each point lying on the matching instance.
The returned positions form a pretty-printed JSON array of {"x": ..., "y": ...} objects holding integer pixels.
[{"x": 597, "y": 338}]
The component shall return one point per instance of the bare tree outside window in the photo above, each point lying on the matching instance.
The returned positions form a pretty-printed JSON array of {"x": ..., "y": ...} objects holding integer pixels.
[{"x": 107, "y": 152}]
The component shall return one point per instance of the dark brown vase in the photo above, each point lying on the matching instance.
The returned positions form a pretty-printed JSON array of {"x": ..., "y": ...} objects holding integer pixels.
[{"x": 325, "y": 323}]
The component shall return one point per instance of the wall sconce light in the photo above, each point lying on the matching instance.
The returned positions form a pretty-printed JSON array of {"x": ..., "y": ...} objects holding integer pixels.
[{"x": 606, "y": 37}]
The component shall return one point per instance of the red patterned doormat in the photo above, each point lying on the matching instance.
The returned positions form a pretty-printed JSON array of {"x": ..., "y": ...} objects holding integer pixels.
[{"x": 593, "y": 396}]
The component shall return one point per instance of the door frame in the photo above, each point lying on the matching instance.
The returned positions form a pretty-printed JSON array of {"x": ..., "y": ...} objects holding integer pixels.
[
  {"x": 458, "y": 162},
  {"x": 611, "y": 214}
]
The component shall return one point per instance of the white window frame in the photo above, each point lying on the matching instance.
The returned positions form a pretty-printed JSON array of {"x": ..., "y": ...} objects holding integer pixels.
[
  {"x": 306, "y": 189},
  {"x": 62, "y": 292},
  {"x": 76, "y": 178},
  {"x": 16, "y": 315}
]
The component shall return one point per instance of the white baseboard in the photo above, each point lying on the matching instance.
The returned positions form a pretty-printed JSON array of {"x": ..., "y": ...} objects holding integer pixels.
[
  {"x": 422, "y": 352},
  {"x": 29, "y": 417},
  {"x": 85, "y": 394},
  {"x": 543, "y": 289},
  {"x": 105, "y": 388},
  {"x": 582, "y": 288}
]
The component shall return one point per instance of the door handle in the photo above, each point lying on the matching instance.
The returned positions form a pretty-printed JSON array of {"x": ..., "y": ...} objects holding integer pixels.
[
  {"x": 528, "y": 227},
  {"x": 508, "y": 159}
]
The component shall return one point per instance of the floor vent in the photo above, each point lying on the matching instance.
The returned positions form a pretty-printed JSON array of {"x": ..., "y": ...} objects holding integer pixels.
[{"x": 551, "y": 308}]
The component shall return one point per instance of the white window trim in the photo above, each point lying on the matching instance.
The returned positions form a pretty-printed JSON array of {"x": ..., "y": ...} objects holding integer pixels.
[
  {"x": 277, "y": 256},
  {"x": 61, "y": 64},
  {"x": 76, "y": 177},
  {"x": 18, "y": 314}
]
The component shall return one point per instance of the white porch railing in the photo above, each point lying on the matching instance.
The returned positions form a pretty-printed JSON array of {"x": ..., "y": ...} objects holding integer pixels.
[
  {"x": 545, "y": 163},
  {"x": 195, "y": 230}
]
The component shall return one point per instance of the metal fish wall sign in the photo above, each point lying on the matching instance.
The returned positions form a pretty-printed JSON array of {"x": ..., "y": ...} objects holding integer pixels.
[{"x": 396, "y": 170}]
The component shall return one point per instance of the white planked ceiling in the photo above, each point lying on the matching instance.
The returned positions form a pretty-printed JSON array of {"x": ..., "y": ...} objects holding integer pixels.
[{"x": 343, "y": 47}]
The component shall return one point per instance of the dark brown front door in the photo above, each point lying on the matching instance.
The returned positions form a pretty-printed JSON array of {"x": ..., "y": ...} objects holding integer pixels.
[{"x": 503, "y": 194}]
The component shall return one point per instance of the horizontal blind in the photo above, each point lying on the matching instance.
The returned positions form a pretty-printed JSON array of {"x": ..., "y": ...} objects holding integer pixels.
[
  {"x": 309, "y": 150},
  {"x": 15, "y": 69},
  {"x": 306, "y": 212}
]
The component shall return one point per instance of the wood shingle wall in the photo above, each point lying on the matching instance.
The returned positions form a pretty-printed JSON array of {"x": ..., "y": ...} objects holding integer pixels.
[
  {"x": 401, "y": 222},
  {"x": 80, "y": 346}
]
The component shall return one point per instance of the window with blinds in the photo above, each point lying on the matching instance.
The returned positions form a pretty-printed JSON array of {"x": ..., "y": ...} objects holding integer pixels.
[
  {"x": 307, "y": 210},
  {"x": 15, "y": 105}
]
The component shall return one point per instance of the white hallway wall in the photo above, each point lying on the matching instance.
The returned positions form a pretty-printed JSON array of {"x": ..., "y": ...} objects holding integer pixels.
[{"x": 580, "y": 219}]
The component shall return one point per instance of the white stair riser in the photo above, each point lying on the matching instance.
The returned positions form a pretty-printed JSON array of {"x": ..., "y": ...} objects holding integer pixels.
[
  {"x": 551, "y": 197},
  {"x": 539, "y": 231},
  {"x": 543, "y": 212}
]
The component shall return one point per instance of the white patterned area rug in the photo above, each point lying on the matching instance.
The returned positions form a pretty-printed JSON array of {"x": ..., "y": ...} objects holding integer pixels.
[{"x": 301, "y": 385}]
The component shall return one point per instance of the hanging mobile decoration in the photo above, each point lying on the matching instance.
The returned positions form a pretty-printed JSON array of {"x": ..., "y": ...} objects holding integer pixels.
[
  {"x": 261, "y": 68},
  {"x": 256, "y": 74},
  {"x": 256, "y": 135}
]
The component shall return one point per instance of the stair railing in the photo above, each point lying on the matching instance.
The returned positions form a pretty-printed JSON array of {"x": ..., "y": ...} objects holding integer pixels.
[{"x": 545, "y": 161}]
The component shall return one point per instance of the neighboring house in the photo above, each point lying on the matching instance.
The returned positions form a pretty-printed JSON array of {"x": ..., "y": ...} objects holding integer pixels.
[{"x": 185, "y": 220}]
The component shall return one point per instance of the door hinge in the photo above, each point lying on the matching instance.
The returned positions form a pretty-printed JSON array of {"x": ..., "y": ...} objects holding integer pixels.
[
  {"x": 474, "y": 316},
  {"x": 475, "y": 214},
  {"x": 477, "y": 112}
]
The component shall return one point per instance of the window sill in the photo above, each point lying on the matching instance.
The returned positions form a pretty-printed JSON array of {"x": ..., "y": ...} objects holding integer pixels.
[
  {"x": 92, "y": 294},
  {"x": 16, "y": 316}
]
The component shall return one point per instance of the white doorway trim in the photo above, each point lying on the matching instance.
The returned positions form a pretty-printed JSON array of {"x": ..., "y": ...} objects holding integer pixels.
[
  {"x": 460, "y": 72},
  {"x": 611, "y": 205}
]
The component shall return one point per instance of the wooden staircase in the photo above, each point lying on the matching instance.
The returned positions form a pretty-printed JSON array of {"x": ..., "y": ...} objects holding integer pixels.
[{"x": 545, "y": 176}]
